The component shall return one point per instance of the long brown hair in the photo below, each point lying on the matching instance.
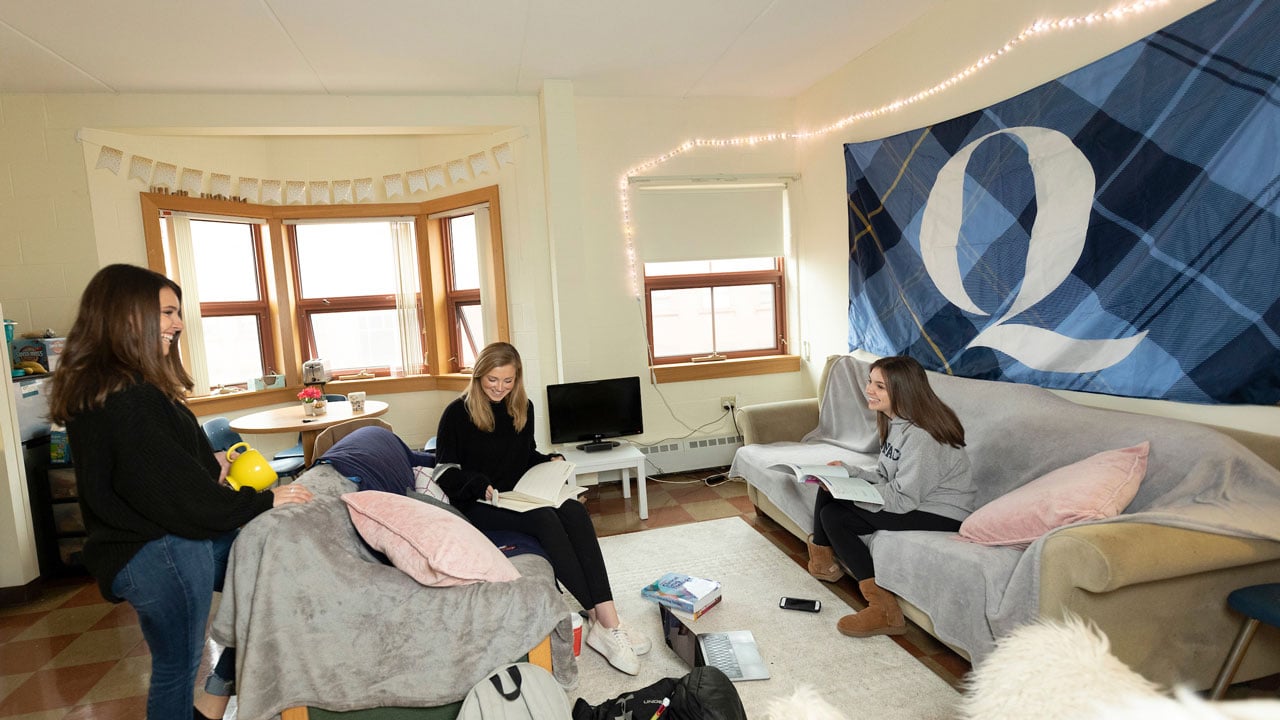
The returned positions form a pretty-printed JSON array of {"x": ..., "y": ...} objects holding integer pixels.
[
  {"x": 115, "y": 342},
  {"x": 912, "y": 399},
  {"x": 496, "y": 355}
]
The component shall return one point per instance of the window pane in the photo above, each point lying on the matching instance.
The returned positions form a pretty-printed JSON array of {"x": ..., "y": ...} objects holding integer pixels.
[
  {"x": 226, "y": 261},
  {"x": 231, "y": 349},
  {"x": 466, "y": 263},
  {"x": 360, "y": 339},
  {"x": 346, "y": 260},
  {"x": 681, "y": 322},
  {"x": 471, "y": 327},
  {"x": 744, "y": 318}
]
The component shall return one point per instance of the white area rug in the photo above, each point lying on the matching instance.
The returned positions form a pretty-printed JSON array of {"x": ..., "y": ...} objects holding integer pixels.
[{"x": 870, "y": 677}]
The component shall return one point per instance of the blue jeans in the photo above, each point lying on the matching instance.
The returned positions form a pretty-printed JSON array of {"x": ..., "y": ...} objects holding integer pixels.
[{"x": 170, "y": 583}]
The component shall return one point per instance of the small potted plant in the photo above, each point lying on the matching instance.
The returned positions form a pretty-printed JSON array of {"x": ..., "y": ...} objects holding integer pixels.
[{"x": 313, "y": 402}]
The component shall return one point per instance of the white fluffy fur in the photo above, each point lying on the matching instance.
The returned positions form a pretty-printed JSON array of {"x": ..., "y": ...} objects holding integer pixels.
[{"x": 1053, "y": 671}]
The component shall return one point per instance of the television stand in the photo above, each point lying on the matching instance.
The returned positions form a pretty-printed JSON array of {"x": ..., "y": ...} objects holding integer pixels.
[
  {"x": 598, "y": 446},
  {"x": 626, "y": 458}
]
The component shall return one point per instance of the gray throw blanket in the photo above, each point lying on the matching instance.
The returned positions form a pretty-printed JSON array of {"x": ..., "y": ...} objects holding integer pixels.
[
  {"x": 1197, "y": 478},
  {"x": 318, "y": 621}
]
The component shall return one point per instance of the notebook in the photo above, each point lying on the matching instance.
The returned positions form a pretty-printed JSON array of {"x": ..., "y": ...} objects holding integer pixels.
[{"x": 734, "y": 653}]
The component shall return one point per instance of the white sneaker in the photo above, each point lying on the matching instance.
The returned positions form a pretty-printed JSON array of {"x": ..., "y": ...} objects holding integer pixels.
[
  {"x": 639, "y": 641},
  {"x": 615, "y": 646}
]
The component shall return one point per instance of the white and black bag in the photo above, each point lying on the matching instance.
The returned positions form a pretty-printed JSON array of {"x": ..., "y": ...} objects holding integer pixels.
[{"x": 519, "y": 691}]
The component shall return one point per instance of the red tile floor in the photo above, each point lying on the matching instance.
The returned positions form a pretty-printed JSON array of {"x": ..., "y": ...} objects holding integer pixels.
[{"x": 70, "y": 655}]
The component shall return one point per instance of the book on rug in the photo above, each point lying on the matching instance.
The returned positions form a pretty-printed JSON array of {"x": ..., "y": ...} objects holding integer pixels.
[
  {"x": 688, "y": 595},
  {"x": 543, "y": 485},
  {"x": 836, "y": 479}
]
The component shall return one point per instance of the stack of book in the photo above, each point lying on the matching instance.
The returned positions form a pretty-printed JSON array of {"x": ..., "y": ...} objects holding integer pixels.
[{"x": 687, "y": 596}]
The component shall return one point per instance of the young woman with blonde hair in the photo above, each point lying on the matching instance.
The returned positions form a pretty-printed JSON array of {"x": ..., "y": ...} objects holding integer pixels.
[
  {"x": 488, "y": 434},
  {"x": 922, "y": 477}
]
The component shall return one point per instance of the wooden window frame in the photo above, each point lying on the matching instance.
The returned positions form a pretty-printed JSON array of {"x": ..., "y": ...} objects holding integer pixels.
[
  {"x": 775, "y": 277},
  {"x": 308, "y": 308},
  {"x": 281, "y": 278},
  {"x": 455, "y": 299},
  {"x": 259, "y": 309}
]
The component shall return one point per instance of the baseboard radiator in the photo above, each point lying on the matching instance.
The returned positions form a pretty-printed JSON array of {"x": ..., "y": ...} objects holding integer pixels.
[{"x": 692, "y": 454}]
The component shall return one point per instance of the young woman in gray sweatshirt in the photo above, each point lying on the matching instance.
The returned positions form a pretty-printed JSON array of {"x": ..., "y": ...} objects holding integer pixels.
[{"x": 922, "y": 477}]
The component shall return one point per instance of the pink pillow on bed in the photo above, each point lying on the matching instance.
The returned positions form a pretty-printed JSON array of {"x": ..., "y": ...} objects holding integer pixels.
[
  {"x": 1097, "y": 487},
  {"x": 431, "y": 545}
]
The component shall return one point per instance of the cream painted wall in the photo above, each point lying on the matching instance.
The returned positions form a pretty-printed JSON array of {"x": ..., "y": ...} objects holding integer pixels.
[{"x": 605, "y": 333}]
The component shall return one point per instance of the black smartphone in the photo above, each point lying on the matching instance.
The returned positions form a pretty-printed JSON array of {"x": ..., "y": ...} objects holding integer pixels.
[{"x": 790, "y": 603}]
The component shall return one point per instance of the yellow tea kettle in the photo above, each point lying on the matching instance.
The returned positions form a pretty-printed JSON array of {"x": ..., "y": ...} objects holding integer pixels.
[{"x": 249, "y": 469}]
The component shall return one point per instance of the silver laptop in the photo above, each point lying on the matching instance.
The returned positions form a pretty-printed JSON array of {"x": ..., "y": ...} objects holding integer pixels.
[{"x": 734, "y": 653}]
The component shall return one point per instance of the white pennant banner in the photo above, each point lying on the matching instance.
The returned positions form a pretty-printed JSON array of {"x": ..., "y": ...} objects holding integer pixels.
[
  {"x": 319, "y": 193},
  {"x": 457, "y": 171},
  {"x": 192, "y": 181},
  {"x": 293, "y": 192},
  {"x": 165, "y": 175},
  {"x": 394, "y": 185},
  {"x": 342, "y": 191},
  {"x": 417, "y": 180},
  {"x": 219, "y": 185},
  {"x": 248, "y": 189},
  {"x": 364, "y": 189},
  {"x": 110, "y": 158},
  {"x": 271, "y": 190}
]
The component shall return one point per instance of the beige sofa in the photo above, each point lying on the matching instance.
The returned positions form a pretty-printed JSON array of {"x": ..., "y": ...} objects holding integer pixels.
[{"x": 1158, "y": 591}]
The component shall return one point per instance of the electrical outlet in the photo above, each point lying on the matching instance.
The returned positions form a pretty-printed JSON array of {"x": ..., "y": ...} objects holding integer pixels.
[{"x": 728, "y": 402}]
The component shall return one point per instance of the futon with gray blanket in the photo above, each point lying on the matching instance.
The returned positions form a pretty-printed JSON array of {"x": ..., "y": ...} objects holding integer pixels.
[
  {"x": 1205, "y": 520},
  {"x": 319, "y": 621}
]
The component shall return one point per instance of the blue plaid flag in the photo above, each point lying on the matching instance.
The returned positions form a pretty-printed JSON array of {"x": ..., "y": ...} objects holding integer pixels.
[{"x": 1112, "y": 231}]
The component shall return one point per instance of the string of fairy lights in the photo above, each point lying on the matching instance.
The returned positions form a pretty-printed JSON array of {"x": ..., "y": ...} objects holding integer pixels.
[{"x": 1038, "y": 29}]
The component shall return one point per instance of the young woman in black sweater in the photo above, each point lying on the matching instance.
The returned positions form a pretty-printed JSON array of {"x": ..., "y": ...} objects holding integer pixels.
[
  {"x": 159, "y": 515},
  {"x": 488, "y": 433}
]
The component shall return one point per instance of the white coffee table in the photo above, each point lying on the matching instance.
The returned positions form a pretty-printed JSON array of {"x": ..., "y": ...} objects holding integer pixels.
[{"x": 626, "y": 458}]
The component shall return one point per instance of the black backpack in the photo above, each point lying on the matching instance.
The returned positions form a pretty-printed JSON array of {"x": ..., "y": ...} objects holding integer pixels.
[{"x": 706, "y": 693}]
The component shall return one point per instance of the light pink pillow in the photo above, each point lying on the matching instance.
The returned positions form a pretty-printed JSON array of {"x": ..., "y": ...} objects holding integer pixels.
[
  {"x": 1094, "y": 488},
  {"x": 431, "y": 545}
]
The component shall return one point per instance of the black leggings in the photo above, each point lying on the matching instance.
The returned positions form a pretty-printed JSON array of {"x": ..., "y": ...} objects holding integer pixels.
[
  {"x": 569, "y": 538},
  {"x": 840, "y": 524}
]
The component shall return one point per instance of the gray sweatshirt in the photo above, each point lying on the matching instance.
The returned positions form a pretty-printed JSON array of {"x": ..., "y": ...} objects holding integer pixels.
[{"x": 917, "y": 472}]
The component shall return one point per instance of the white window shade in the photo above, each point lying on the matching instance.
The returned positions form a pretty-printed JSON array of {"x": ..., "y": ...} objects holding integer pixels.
[{"x": 705, "y": 223}]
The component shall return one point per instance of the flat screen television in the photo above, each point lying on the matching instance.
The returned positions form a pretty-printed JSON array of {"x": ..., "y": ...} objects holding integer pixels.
[{"x": 593, "y": 411}]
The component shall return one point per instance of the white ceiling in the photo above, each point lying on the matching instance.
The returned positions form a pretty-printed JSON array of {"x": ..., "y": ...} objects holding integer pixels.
[{"x": 646, "y": 48}]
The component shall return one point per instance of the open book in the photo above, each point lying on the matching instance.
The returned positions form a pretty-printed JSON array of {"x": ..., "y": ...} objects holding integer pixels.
[
  {"x": 834, "y": 478},
  {"x": 543, "y": 485}
]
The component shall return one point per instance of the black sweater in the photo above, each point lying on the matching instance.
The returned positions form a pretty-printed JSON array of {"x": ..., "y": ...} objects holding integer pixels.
[
  {"x": 145, "y": 469},
  {"x": 496, "y": 458}
]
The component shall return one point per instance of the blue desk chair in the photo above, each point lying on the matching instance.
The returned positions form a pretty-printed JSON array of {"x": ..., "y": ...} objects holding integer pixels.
[
  {"x": 1258, "y": 604},
  {"x": 221, "y": 437},
  {"x": 296, "y": 450}
]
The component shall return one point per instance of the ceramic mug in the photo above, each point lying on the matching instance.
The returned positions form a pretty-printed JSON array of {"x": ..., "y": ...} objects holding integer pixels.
[
  {"x": 357, "y": 401},
  {"x": 250, "y": 469}
]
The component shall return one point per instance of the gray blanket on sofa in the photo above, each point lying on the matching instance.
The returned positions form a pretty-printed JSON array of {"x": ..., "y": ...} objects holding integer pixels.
[
  {"x": 1196, "y": 478},
  {"x": 317, "y": 620}
]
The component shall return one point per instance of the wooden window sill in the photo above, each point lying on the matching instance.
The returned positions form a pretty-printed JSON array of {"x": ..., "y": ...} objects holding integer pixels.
[
  {"x": 218, "y": 404},
  {"x": 687, "y": 372}
]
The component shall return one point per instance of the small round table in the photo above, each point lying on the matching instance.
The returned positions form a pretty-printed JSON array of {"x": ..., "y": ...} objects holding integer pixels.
[{"x": 292, "y": 419}]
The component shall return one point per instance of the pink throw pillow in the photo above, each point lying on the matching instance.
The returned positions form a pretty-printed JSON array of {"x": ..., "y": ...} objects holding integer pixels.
[
  {"x": 431, "y": 545},
  {"x": 1097, "y": 487}
]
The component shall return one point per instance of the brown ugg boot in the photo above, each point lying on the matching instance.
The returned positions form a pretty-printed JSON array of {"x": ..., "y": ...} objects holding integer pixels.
[
  {"x": 881, "y": 616},
  {"x": 822, "y": 562}
]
